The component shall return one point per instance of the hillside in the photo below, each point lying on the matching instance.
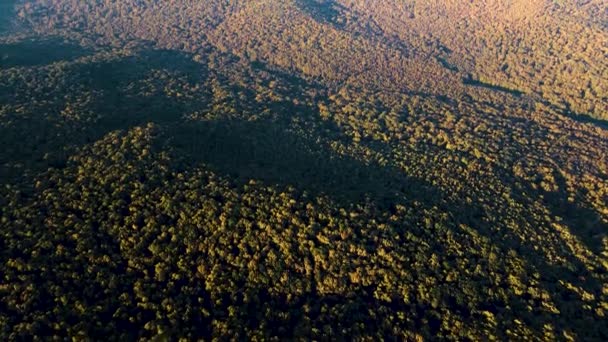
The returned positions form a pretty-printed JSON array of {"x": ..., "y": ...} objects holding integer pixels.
[{"x": 304, "y": 169}]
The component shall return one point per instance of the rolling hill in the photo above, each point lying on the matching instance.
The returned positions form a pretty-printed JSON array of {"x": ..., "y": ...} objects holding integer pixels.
[{"x": 304, "y": 169}]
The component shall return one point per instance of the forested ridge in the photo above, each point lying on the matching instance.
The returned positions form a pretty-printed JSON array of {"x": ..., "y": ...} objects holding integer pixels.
[{"x": 304, "y": 169}]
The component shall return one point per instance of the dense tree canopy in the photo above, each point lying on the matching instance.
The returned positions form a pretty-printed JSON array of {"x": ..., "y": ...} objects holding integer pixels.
[{"x": 304, "y": 170}]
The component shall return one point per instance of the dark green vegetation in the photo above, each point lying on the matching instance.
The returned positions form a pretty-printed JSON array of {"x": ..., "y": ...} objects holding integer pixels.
[{"x": 264, "y": 170}]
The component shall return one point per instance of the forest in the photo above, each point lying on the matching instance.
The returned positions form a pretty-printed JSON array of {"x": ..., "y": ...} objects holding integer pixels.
[{"x": 304, "y": 170}]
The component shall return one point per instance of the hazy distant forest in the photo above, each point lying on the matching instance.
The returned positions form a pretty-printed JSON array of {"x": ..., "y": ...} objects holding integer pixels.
[{"x": 304, "y": 170}]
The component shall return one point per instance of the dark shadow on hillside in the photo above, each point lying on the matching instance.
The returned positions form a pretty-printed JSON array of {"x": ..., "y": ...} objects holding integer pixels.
[
  {"x": 269, "y": 151},
  {"x": 35, "y": 143},
  {"x": 579, "y": 117},
  {"x": 477, "y": 83},
  {"x": 323, "y": 11},
  {"x": 581, "y": 220},
  {"x": 588, "y": 119},
  {"x": 565, "y": 109},
  {"x": 132, "y": 95},
  {"x": 276, "y": 152},
  {"x": 578, "y": 215},
  {"x": 35, "y": 52},
  {"x": 447, "y": 65},
  {"x": 7, "y": 11},
  {"x": 550, "y": 273}
]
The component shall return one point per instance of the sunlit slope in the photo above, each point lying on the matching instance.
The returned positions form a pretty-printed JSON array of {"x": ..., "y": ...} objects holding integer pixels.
[
  {"x": 300, "y": 169},
  {"x": 551, "y": 50},
  {"x": 556, "y": 51}
]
